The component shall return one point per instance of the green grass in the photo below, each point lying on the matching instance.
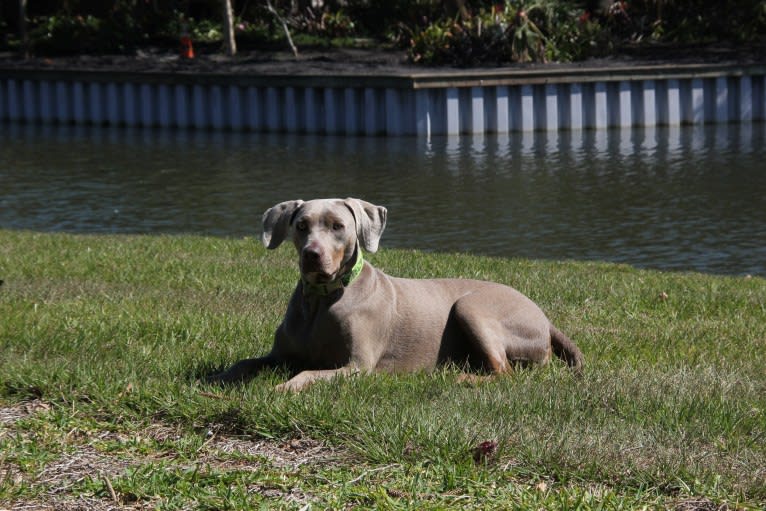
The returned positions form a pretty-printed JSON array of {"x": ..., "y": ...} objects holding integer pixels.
[{"x": 103, "y": 338}]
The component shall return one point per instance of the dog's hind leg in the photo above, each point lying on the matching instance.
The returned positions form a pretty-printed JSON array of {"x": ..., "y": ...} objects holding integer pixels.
[{"x": 499, "y": 334}]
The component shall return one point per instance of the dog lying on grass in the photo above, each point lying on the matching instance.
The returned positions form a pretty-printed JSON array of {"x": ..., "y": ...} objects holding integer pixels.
[{"x": 346, "y": 316}]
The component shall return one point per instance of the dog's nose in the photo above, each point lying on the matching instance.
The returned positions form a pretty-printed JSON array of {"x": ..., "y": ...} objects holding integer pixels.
[{"x": 311, "y": 254}]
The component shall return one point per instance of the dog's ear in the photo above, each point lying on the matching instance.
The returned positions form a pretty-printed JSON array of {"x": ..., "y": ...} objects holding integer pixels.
[
  {"x": 370, "y": 222},
  {"x": 276, "y": 222}
]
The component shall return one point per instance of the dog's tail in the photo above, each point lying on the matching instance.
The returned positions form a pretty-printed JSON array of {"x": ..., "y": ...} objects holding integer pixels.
[{"x": 566, "y": 350}]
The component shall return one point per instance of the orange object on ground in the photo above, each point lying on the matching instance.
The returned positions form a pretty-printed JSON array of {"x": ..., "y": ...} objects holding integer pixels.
[{"x": 187, "y": 50}]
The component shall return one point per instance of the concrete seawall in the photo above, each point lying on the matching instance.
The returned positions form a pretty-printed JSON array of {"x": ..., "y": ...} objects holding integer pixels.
[{"x": 418, "y": 103}]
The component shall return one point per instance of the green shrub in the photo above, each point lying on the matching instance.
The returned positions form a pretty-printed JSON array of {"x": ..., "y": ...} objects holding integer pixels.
[
  {"x": 327, "y": 23},
  {"x": 65, "y": 34},
  {"x": 518, "y": 31}
]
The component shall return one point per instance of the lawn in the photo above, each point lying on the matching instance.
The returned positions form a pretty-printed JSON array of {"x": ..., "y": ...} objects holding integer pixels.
[{"x": 103, "y": 340}]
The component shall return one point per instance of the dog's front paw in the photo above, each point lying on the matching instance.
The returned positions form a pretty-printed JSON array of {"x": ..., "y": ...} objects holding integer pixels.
[
  {"x": 294, "y": 384},
  {"x": 285, "y": 387}
]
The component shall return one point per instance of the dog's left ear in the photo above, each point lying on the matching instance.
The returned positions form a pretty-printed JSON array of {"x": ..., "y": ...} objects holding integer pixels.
[
  {"x": 370, "y": 222},
  {"x": 276, "y": 222}
]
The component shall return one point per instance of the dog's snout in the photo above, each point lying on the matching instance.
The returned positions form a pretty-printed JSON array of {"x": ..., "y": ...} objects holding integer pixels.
[{"x": 311, "y": 253}]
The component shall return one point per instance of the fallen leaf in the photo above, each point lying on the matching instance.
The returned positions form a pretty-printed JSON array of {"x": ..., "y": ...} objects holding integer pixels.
[{"x": 485, "y": 451}]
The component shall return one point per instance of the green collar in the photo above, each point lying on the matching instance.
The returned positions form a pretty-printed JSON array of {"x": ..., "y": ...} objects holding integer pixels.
[{"x": 344, "y": 280}]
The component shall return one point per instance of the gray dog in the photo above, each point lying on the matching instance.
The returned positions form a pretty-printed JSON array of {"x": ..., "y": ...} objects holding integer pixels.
[{"x": 345, "y": 316}]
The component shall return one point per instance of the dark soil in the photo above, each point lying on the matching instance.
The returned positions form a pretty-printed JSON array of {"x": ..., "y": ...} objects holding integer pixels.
[{"x": 360, "y": 61}]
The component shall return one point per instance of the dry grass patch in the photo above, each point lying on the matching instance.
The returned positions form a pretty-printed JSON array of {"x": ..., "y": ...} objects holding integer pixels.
[{"x": 86, "y": 474}]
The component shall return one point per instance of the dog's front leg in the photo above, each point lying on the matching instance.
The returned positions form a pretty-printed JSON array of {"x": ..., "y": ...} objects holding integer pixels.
[
  {"x": 243, "y": 370},
  {"x": 305, "y": 378}
]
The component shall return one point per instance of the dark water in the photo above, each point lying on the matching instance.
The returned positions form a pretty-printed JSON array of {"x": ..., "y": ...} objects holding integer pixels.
[{"x": 681, "y": 199}]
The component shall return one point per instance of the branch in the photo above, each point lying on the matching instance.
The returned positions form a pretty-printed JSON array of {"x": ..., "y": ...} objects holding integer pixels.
[{"x": 284, "y": 26}]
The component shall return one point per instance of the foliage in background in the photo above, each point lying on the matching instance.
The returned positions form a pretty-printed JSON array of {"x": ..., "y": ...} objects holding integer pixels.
[
  {"x": 123, "y": 27},
  {"x": 434, "y": 31},
  {"x": 522, "y": 31}
]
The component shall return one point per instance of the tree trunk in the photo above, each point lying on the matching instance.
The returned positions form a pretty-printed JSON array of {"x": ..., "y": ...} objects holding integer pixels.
[
  {"x": 23, "y": 35},
  {"x": 228, "y": 26}
]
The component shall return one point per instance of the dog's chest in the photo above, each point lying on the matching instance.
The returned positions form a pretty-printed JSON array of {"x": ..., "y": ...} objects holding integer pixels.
[{"x": 316, "y": 334}]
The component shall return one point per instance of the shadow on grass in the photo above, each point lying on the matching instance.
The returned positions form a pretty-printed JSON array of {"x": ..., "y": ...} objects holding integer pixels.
[{"x": 205, "y": 372}]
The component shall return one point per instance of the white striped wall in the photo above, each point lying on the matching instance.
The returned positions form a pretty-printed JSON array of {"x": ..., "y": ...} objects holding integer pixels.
[{"x": 368, "y": 110}]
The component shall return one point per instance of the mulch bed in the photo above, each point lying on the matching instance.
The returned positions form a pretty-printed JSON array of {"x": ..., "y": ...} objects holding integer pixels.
[{"x": 361, "y": 61}]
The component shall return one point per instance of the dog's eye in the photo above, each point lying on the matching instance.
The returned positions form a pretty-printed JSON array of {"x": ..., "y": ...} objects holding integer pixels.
[
  {"x": 338, "y": 226},
  {"x": 301, "y": 226}
]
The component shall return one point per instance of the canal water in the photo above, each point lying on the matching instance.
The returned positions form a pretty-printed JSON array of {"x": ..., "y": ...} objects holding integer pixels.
[{"x": 689, "y": 199}]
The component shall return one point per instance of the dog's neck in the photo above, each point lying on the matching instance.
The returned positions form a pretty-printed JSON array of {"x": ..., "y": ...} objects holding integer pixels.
[{"x": 343, "y": 280}]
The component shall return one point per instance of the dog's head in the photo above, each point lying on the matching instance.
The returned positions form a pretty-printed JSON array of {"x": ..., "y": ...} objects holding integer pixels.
[{"x": 325, "y": 232}]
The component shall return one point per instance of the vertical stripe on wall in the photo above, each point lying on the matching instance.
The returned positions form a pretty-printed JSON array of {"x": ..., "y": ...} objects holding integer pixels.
[
  {"x": 14, "y": 101},
  {"x": 273, "y": 111},
  {"x": 30, "y": 101},
  {"x": 626, "y": 105},
  {"x": 601, "y": 107},
  {"x": 648, "y": 92},
  {"x": 3, "y": 98},
  {"x": 148, "y": 104},
  {"x": 759, "y": 100},
  {"x": 551, "y": 107},
  {"x": 130, "y": 104},
  {"x": 333, "y": 111},
  {"x": 96, "y": 103},
  {"x": 238, "y": 106},
  {"x": 502, "y": 110},
  {"x": 477, "y": 110},
  {"x": 576, "y": 118},
  {"x": 674, "y": 115},
  {"x": 453, "y": 111},
  {"x": 199, "y": 107},
  {"x": 313, "y": 112},
  {"x": 527, "y": 114},
  {"x": 253, "y": 110},
  {"x": 79, "y": 104},
  {"x": 182, "y": 117},
  {"x": 424, "y": 111},
  {"x": 215, "y": 103},
  {"x": 47, "y": 91},
  {"x": 292, "y": 122},
  {"x": 698, "y": 101},
  {"x": 489, "y": 109},
  {"x": 745, "y": 99},
  {"x": 113, "y": 102},
  {"x": 373, "y": 116},
  {"x": 165, "y": 105},
  {"x": 351, "y": 111}
]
